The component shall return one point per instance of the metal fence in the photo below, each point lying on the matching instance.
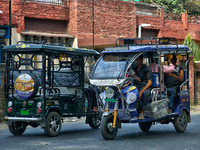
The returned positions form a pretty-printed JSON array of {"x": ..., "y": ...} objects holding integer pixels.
[{"x": 52, "y": 2}]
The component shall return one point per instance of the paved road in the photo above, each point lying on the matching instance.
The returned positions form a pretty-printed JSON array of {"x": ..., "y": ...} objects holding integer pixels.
[{"x": 79, "y": 136}]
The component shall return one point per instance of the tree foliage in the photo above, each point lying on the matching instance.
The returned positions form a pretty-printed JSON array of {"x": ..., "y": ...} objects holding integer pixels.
[
  {"x": 193, "y": 46},
  {"x": 192, "y": 7}
]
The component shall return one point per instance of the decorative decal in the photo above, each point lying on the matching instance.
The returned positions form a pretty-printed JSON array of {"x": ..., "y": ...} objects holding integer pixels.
[
  {"x": 131, "y": 88},
  {"x": 24, "y": 86}
]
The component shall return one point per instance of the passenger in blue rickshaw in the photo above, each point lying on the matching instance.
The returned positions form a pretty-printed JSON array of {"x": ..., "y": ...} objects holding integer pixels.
[
  {"x": 168, "y": 69},
  {"x": 176, "y": 77}
]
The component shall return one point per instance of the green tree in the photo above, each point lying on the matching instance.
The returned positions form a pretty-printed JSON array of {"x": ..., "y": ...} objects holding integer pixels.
[
  {"x": 193, "y": 46},
  {"x": 192, "y": 7}
]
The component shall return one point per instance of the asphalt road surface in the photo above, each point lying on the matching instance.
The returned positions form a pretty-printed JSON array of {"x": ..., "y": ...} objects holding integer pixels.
[{"x": 79, "y": 136}]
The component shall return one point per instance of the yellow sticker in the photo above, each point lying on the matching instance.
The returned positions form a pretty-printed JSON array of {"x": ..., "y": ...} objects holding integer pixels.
[
  {"x": 70, "y": 49},
  {"x": 22, "y": 46},
  {"x": 131, "y": 88}
]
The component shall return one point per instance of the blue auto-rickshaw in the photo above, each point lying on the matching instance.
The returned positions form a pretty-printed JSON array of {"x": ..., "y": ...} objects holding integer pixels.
[{"x": 121, "y": 105}]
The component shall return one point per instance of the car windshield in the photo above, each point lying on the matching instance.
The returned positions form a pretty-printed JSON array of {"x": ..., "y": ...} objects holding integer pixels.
[{"x": 111, "y": 66}]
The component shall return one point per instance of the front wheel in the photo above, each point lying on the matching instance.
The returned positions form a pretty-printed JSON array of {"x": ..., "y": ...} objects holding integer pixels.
[
  {"x": 180, "y": 122},
  {"x": 94, "y": 121},
  {"x": 17, "y": 128},
  {"x": 107, "y": 131},
  {"x": 53, "y": 124},
  {"x": 145, "y": 126}
]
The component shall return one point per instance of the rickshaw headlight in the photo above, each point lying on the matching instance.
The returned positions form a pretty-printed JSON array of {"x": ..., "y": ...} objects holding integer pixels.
[
  {"x": 109, "y": 92},
  {"x": 9, "y": 103}
]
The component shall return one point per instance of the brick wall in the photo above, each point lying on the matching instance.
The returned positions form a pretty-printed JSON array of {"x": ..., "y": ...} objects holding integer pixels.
[
  {"x": 21, "y": 9},
  {"x": 4, "y": 7},
  {"x": 113, "y": 19}
]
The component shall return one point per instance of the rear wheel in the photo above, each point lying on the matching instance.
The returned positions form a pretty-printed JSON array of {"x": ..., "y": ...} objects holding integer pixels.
[
  {"x": 180, "y": 122},
  {"x": 145, "y": 126},
  {"x": 53, "y": 124},
  {"x": 107, "y": 131},
  {"x": 94, "y": 121},
  {"x": 17, "y": 128}
]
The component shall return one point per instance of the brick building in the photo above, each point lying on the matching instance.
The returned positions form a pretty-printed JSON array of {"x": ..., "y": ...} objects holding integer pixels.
[{"x": 78, "y": 21}]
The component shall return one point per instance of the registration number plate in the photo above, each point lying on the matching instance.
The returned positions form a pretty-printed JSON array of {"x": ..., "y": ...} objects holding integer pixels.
[
  {"x": 24, "y": 112},
  {"x": 110, "y": 100}
]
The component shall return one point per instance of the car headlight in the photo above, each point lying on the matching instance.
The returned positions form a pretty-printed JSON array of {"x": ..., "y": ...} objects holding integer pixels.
[
  {"x": 9, "y": 103},
  {"x": 109, "y": 92},
  {"x": 39, "y": 104}
]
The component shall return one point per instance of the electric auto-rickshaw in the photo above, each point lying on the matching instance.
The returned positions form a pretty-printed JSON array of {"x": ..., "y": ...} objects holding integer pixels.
[
  {"x": 122, "y": 104},
  {"x": 44, "y": 84}
]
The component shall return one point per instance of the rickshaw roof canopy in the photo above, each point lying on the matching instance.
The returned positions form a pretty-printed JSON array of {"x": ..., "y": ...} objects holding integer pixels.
[
  {"x": 141, "y": 45},
  {"x": 165, "y": 49},
  {"x": 48, "y": 48}
]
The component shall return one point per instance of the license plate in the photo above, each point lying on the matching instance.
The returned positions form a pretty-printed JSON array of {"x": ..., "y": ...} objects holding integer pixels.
[
  {"x": 110, "y": 100},
  {"x": 24, "y": 112}
]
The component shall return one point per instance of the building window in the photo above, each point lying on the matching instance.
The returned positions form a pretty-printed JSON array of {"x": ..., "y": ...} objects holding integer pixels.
[
  {"x": 36, "y": 38},
  {"x": 60, "y": 40},
  {"x": 44, "y": 38},
  {"x": 27, "y": 38},
  {"x": 53, "y": 39}
]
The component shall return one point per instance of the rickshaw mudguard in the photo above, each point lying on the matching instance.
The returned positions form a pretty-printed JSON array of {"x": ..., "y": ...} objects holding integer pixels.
[
  {"x": 105, "y": 114},
  {"x": 53, "y": 108}
]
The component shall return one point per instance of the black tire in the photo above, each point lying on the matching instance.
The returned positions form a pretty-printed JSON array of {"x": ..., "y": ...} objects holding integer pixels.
[
  {"x": 107, "y": 131},
  {"x": 94, "y": 121},
  {"x": 53, "y": 124},
  {"x": 17, "y": 128},
  {"x": 145, "y": 126},
  {"x": 180, "y": 122}
]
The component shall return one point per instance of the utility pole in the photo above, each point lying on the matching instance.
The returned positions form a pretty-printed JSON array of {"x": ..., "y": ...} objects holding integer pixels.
[
  {"x": 93, "y": 24},
  {"x": 10, "y": 21}
]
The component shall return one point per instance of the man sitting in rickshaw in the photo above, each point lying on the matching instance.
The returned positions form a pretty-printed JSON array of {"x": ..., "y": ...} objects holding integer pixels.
[{"x": 144, "y": 85}]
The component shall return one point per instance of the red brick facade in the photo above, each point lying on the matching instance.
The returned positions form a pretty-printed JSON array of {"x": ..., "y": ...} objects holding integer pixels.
[{"x": 112, "y": 19}]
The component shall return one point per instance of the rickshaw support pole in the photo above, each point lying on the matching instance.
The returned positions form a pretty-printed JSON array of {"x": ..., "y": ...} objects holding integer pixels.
[{"x": 114, "y": 119}]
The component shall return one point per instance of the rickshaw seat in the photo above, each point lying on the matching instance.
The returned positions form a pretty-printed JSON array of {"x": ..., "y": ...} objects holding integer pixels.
[
  {"x": 155, "y": 79},
  {"x": 65, "y": 96}
]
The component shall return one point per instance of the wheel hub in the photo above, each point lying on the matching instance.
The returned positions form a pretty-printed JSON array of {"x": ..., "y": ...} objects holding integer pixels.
[{"x": 109, "y": 127}]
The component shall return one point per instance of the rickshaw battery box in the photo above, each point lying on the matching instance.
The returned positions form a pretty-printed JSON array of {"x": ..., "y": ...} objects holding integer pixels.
[{"x": 157, "y": 109}]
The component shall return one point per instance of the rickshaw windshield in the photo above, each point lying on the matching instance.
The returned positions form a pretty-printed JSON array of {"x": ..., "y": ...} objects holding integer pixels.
[{"x": 111, "y": 66}]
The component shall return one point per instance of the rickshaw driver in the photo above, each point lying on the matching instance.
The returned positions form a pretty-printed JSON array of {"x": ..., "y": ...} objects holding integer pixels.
[{"x": 144, "y": 85}]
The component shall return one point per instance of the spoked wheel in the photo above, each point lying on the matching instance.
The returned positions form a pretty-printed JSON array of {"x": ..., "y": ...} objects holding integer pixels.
[
  {"x": 53, "y": 124},
  {"x": 180, "y": 122},
  {"x": 145, "y": 126},
  {"x": 17, "y": 128},
  {"x": 94, "y": 121},
  {"x": 107, "y": 131}
]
